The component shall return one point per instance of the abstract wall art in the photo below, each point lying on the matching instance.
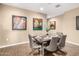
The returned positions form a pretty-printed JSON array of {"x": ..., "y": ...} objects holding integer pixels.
[
  {"x": 19, "y": 22},
  {"x": 37, "y": 24}
]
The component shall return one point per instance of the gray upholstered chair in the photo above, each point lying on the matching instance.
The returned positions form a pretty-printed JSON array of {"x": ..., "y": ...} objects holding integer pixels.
[
  {"x": 60, "y": 34},
  {"x": 52, "y": 47},
  {"x": 33, "y": 44},
  {"x": 61, "y": 45},
  {"x": 61, "y": 42}
]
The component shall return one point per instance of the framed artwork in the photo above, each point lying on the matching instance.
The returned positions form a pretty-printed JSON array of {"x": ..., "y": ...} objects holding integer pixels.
[
  {"x": 19, "y": 22},
  {"x": 52, "y": 25},
  {"x": 37, "y": 24},
  {"x": 77, "y": 22}
]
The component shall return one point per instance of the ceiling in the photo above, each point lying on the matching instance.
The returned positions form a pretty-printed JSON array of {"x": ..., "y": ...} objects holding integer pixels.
[{"x": 49, "y": 8}]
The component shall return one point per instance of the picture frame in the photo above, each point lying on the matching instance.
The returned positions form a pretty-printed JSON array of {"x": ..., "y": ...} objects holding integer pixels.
[
  {"x": 77, "y": 22},
  {"x": 37, "y": 24},
  {"x": 19, "y": 22},
  {"x": 52, "y": 25}
]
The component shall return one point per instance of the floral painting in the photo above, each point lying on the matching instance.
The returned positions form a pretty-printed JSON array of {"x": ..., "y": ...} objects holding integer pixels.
[
  {"x": 19, "y": 22},
  {"x": 52, "y": 25},
  {"x": 37, "y": 24}
]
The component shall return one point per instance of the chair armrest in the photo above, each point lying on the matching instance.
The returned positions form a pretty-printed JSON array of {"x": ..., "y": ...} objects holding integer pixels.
[{"x": 44, "y": 44}]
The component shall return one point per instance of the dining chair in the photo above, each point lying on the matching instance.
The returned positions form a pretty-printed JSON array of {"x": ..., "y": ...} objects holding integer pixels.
[
  {"x": 52, "y": 47},
  {"x": 60, "y": 34},
  {"x": 61, "y": 44},
  {"x": 33, "y": 44}
]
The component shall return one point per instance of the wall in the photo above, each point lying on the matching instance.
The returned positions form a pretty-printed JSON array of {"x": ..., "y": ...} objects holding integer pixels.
[
  {"x": 59, "y": 23},
  {"x": 9, "y": 36},
  {"x": 66, "y": 23},
  {"x": 69, "y": 26}
]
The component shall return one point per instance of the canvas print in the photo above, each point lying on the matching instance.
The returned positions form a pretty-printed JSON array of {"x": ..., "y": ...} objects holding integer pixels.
[
  {"x": 77, "y": 22},
  {"x": 37, "y": 24},
  {"x": 52, "y": 25},
  {"x": 18, "y": 22}
]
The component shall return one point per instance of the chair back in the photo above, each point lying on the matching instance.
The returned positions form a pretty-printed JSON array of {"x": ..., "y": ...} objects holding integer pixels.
[
  {"x": 53, "y": 44},
  {"x": 60, "y": 34},
  {"x": 30, "y": 41},
  {"x": 62, "y": 41}
]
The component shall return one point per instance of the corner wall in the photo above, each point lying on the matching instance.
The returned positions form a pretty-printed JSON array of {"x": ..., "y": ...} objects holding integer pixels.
[
  {"x": 59, "y": 23},
  {"x": 9, "y": 36},
  {"x": 66, "y": 23},
  {"x": 69, "y": 26}
]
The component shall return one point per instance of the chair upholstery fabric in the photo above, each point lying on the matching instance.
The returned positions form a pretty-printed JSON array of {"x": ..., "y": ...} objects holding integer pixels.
[
  {"x": 61, "y": 43},
  {"x": 53, "y": 44},
  {"x": 32, "y": 42}
]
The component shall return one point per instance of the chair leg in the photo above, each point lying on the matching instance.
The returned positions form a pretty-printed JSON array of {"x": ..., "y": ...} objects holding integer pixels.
[
  {"x": 36, "y": 50},
  {"x": 60, "y": 52},
  {"x": 31, "y": 52},
  {"x": 48, "y": 53},
  {"x": 64, "y": 53}
]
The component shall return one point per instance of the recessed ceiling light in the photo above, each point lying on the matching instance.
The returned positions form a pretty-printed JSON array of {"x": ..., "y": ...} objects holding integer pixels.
[
  {"x": 41, "y": 9},
  {"x": 58, "y": 5}
]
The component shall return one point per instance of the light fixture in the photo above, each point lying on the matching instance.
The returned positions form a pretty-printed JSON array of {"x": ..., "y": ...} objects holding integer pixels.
[
  {"x": 41, "y": 9},
  {"x": 58, "y": 5}
]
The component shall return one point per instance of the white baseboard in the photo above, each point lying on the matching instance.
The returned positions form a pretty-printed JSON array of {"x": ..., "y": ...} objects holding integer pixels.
[
  {"x": 14, "y": 44},
  {"x": 73, "y": 43},
  {"x": 28, "y": 42}
]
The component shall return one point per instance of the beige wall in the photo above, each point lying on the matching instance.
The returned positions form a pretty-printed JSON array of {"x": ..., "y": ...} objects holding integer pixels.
[
  {"x": 59, "y": 23},
  {"x": 69, "y": 25},
  {"x": 15, "y": 36},
  {"x": 66, "y": 23}
]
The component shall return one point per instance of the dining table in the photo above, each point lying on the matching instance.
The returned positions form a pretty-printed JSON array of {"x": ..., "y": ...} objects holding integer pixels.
[{"x": 43, "y": 40}]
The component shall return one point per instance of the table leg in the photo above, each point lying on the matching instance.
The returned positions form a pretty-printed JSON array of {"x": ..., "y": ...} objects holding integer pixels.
[{"x": 42, "y": 50}]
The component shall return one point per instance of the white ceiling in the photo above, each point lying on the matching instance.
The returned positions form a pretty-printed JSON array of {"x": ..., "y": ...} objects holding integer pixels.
[{"x": 49, "y": 8}]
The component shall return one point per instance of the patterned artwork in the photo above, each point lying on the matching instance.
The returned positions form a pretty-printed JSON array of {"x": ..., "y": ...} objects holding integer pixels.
[
  {"x": 52, "y": 25},
  {"x": 19, "y": 22},
  {"x": 37, "y": 24}
]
